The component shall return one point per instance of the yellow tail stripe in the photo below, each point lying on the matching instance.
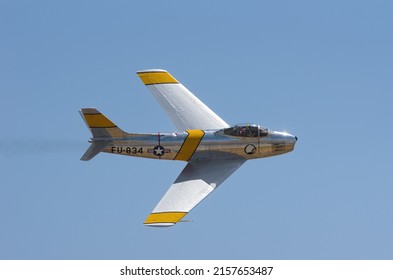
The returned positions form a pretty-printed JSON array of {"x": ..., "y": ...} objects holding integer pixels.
[
  {"x": 98, "y": 121},
  {"x": 165, "y": 217},
  {"x": 151, "y": 78},
  {"x": 190, "y": 145}
]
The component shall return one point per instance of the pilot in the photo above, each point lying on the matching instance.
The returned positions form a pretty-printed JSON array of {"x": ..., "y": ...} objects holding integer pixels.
[
  {"x": 242, "y": 131},
  {"x": 236, "y": 131}
]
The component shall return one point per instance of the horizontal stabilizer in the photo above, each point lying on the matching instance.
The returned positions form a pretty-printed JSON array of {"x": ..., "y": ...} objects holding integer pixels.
[{"x": 94, "y": 149}]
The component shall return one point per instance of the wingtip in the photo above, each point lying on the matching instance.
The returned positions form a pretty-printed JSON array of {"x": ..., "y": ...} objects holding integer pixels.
[
  {"x": 89, "y": 110},
  {"x": 152, "y": 71},
  {"x": 156, "y": 76},
  {"x": 160, "y": 225}
]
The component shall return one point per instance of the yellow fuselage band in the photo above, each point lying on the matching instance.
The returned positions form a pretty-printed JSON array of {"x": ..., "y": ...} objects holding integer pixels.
[{"x": 190, "y": 145}]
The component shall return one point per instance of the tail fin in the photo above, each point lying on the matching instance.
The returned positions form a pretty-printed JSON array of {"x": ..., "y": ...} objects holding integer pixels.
[
  {"x": 101, "y": 126},
  {"x": 103, "y": 131}
]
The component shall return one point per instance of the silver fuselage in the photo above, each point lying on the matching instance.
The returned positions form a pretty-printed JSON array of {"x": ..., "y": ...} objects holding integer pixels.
[{"x": 202, "y": 145}]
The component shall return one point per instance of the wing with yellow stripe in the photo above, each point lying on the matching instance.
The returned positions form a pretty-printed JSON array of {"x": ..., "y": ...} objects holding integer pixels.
[
  {"x": 197, "y": 180},
  {"x": 184, "y": 109}
]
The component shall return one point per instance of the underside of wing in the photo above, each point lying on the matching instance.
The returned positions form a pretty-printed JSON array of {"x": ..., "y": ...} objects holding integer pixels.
[
  {"x": 184, "y": 109},
  {"x": 197, "y": 180}
]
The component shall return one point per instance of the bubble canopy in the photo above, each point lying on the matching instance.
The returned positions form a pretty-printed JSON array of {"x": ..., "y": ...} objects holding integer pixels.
[{"x": 246, "y": 130}]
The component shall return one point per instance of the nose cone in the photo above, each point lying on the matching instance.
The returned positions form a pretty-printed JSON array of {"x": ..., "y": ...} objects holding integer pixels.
[
  {"x": 294, "y": 139},
  {"x": 291, "y": 138},
  {"x": 286, "y": 137}
]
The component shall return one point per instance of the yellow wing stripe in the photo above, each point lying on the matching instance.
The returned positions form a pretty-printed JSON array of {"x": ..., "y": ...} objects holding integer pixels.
[
  {"x": 98, "y": 121},
  {"x": 190, "y": 145},
  {"x": 165, "y": 217},
  {"x": 151, "y": 78}
]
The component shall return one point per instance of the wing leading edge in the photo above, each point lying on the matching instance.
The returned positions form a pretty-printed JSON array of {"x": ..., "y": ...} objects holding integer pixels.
[
  {"x": 197, "y": 180},
  {"x": 184, "y": 109}
]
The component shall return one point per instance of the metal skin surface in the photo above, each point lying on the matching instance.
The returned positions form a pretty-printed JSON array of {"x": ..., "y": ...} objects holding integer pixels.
[
  {"x": 212, "y": 149},
  {"x": 214, "y": 145}
]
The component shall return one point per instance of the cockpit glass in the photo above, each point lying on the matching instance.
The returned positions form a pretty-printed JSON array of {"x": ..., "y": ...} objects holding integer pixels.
[{"x": 249, "y": 130}]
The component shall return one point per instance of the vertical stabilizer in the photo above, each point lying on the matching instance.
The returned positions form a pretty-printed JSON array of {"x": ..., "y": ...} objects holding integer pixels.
[
  {"x": 100, "y": 126},
  {"x": 103, "y": 130}
]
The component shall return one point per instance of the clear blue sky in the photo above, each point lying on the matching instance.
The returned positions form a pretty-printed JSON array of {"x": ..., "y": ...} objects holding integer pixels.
[{"x": 322, "y": 70}]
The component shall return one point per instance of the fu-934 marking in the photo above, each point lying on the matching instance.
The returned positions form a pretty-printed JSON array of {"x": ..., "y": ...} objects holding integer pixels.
[{"x": 128, "y": 150}]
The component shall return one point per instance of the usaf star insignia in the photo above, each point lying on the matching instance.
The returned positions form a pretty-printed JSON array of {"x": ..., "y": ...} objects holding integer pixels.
[{"x": 158, "y": 151}]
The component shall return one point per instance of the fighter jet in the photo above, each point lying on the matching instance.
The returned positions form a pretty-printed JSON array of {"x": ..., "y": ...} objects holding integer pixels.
[{"x": 212, "y": 148}]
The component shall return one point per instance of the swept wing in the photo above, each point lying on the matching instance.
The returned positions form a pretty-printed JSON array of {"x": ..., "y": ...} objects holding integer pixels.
[
  {"x": 184, "y": 109},
  {"x": 197, "y": 180}
]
